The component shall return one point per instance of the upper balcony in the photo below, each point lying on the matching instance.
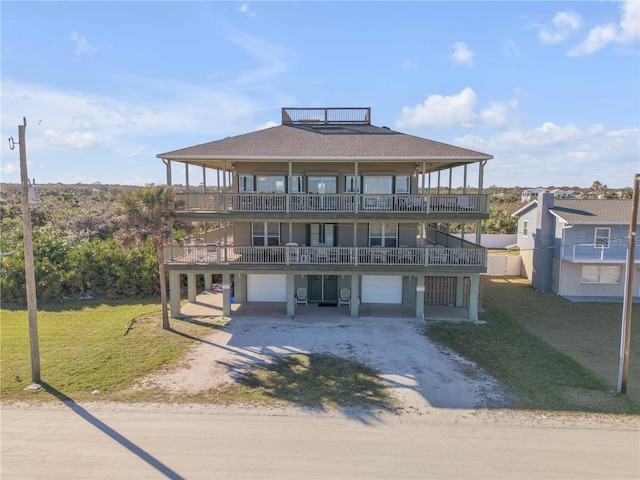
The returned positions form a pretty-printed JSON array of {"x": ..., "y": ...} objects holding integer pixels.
[
  {"x": 348, "y": 205},
  {"x": 590, "y": 253}
]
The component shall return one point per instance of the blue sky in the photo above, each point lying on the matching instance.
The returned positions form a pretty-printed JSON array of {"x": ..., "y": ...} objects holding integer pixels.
[{"x": 550, "y": 89}]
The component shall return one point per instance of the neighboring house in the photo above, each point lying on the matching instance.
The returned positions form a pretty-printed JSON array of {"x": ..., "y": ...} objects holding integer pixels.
[
  {"x": 532, "y": 193},
  {"x": 328, "y": 205},
  {"x": 576, "y": 248}
]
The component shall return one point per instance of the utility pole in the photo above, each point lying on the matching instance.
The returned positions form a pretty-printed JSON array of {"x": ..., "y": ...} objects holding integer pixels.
[
  {"x": 32, "y": 301},
  {"x": 625, "y": 335}
]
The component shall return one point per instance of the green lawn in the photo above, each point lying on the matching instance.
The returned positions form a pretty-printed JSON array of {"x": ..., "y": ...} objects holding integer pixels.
[
  {"x": 85, "y": 346},
  {"x": 551, "y": 353}
]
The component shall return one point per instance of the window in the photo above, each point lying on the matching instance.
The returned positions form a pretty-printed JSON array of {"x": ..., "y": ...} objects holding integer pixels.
[
  {"x": 322, "y": 234},
  {"x": 377, "y": 184},
  {"x": 245, "y": 183},
  {"x": 322, "y": 185},
  {"x": 602, "y": 237},
  {"x": 297, "y": 186},
  {"x": 351, "y": 184},
  {"x": 383, "y": 234},
  {"x": 601, "y": 274},
  {"x": 403, "y": 184},
  {"x": 270, "y": 184},
  {"x": 525, "y": 228},
  {"x": 265, "y": 233}
]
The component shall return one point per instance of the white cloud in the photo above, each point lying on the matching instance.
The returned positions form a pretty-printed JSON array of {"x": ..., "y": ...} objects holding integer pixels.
[
  {"x": 559, "y": 155},
  {"x": 266, "y": 125},
  {"x": 439, "y": 111},
  {"x": 510, "y": 48},
  {"x": 627, "y": 30},
  {"x": 83, "y": 46},
  {"x": 563, "y": 24},
  {"x": 244, "y": 8},
  {"x": 73, "y": 139},
  {"x": 271, "y": 58},
  {"x": 462, "y": 54}
]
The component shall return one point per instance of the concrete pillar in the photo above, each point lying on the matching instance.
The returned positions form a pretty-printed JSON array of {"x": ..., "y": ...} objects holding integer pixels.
[
  {"x": 355, "y": 295},
  {"x": 226, "y": 294},
  {"x": 208, "y": 281},
  {"x": 459, "y": 291},
  {"x": 191, "y": 287},
  {"x": 420, "y": 297},
  {"x": 174, "y": 293},
  {"x": 240, "y": 287},
  {"x": 291, "y": 304},
  {"x": 474, "y": 296}
]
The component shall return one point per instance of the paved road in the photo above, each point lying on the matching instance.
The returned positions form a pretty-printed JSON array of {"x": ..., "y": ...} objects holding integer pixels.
[{"x": 99, "y": 442}]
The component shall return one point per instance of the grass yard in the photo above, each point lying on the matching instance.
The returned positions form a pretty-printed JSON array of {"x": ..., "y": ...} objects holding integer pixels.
[
  {"x": 552, "y": 353},
  {"x": 85, "y": 346}
]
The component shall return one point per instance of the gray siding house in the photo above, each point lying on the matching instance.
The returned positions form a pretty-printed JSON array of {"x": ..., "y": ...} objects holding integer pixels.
[
  {"x": 576, "y": 248},
  {"x": 328, "y": 208}
]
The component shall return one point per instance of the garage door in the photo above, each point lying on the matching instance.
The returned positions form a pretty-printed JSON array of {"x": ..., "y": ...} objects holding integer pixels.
[
  {"x": 266, "y": 288},
  {"x": 381, "y": 289}
]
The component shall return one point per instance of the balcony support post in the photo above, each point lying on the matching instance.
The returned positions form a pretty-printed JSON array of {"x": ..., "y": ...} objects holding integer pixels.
[
  {"x": 174, "y": 293},
  {"x": 291, "y": 292},
  {"x": 459, "y": 291},
  {"x": 191, "y": 287},
  {"x": 355, "y": 295},
  {"x": 226, "y": 294},
  {"x": 420, "y": 288},
  {"x": 474, "y": 294},
  {"x": 358, "y": 192},
  {"x": 208, "y": 281}
]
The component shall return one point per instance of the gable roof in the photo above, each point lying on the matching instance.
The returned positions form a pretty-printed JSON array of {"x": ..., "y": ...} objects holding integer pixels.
[
  {"x": 335, "y": 142},
  {"x": 593, "y": 212}
]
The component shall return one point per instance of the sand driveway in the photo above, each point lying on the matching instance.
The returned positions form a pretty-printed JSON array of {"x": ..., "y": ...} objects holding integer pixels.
[{"x": 419, "y": 373}]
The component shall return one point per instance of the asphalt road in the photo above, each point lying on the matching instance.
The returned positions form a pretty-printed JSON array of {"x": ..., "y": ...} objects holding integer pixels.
[{"x": 99, "y": 442}]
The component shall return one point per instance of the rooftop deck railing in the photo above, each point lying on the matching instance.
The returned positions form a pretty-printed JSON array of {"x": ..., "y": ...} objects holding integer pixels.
[
  {"x": 353, "y": 115},
  {"x": 338, "y": 256},
  {"x": 338, "y": 203}
]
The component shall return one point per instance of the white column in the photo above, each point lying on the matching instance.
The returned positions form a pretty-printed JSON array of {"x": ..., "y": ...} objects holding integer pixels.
[
  {"x": 191, "y": 287},
  {"x": 420, "y": 297},
  {"x": 459, "y": 291},
  {"x": 174, "y": 293},
  {"x": 355, "y": 295},
  {"x": 474, "y": 297},
  {"x": 291, "y": 306},
  {"x": 226, "y": 294}
]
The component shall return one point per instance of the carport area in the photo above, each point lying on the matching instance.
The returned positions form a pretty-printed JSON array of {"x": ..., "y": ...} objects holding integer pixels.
[{"x": 209, "y": 303}]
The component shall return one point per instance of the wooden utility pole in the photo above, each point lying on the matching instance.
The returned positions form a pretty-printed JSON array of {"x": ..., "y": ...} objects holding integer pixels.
[
  {"x": 625, "y": 335},
  {"x": 32, "y": 302}
]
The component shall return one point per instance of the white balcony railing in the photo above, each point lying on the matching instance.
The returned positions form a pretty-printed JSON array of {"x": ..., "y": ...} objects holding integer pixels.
[
  {"x": 345, "y": 203},
  {"x": 339, "y": 256},
  {"x": 589, "y": 253}
]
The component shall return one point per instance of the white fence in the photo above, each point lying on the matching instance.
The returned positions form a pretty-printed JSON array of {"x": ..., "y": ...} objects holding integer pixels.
[
  {"x": 492, "y": 240},
  {"x": 509, "y": 265}
]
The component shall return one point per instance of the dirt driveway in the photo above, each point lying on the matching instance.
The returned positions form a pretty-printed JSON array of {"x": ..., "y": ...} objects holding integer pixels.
[{"x": 420, "y": 374}]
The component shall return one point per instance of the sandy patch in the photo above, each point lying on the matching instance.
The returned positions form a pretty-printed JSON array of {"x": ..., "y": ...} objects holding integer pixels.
[{"x": 418, "y": 373}]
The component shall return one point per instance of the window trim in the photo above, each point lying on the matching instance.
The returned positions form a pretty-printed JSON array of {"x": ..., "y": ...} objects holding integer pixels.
[
  {"x": 385, "y": 235},
  {"x": 525, "y": 228},
  {"x": 264, "y": 236}
]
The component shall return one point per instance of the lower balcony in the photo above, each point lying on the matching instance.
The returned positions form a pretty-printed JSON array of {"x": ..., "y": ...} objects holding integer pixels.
[{"x": 296, "y": 256}]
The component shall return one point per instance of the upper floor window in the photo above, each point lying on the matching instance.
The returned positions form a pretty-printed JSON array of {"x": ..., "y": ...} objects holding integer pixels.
[
  {"x": 245, "y": 183},
  {"x": 322, "y": 185},
  {"x": 270, "y": 184},
  {"x": 297, "y": 184},
  {"x": 525, "y": 228},
  {"x": 403, "y": 184},
  {"x": 602, "y": 237},
  {"x": 383, "y": 234},
  {"x": 351, "y": 184},
  {"x": 265, "y": 233}
]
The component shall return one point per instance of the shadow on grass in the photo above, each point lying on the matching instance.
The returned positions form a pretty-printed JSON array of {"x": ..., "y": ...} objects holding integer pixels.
[
  {"x": 77, "y": 305},
  {"x": 111, "y": 433},
  {"x": 321, "y": 381},
  {"x": 201, "y": 323}
]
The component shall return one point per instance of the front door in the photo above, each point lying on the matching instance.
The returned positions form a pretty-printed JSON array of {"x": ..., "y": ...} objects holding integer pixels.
[{"x": 323, "y": 288}]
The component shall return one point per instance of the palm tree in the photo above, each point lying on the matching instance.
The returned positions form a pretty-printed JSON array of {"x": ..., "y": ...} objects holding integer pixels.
[{"x": 146, "y": 215}]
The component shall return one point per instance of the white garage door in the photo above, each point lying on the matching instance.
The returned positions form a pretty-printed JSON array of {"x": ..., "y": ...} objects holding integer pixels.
[
  {"x": 381, "y": 289},
  {"x": 266, "y": 288}
]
